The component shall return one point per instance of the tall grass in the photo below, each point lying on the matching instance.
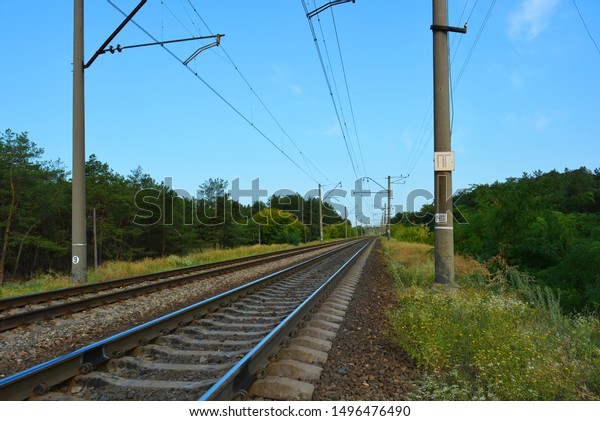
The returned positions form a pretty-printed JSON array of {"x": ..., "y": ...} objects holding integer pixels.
[
  {"x": 122, "y": 269},
  {"x": 412, "y": 233},
  {"x": 499, "y": 336}
]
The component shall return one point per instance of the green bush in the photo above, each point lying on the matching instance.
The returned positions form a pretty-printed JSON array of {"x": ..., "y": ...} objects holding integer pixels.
[
  {"x": 422, "y": 274},
  {"x": 484, "y": 345},
  {"x": 412, "y": 233}
]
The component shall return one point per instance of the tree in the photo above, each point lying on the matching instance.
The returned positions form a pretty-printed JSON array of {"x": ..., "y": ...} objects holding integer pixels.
[
  {"x": 279, "y": 227},
  {"x": 18, "y": 166}
]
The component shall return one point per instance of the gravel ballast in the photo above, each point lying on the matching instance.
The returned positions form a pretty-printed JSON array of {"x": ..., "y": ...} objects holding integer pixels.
[
  {"x": 363, "y": 363},
  {"x": 30, "y": 345}
]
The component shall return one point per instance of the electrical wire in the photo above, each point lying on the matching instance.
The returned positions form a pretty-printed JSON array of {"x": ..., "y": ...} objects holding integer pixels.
[
  {"x": 421, "y": 143},
  {"x": 216, "y": 93},
  {"x": 348, "y": 93},
  {"x": 470, "y": 54},
  {"x": 315, "y": 39},
  {"x": 190, "y": 17},
  {"x": 417, "y": 151},
  {"x": 343, "y": 124},
  {"x": 307, "y": 161},
  {"x": 177, "y": 19},
  {"x": 451, "y": 58},
  {"x": 586, "y": 27}
]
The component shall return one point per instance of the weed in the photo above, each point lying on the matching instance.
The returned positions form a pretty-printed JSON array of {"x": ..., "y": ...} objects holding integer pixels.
[
  {"x": 500, "y": 336},
  {"x": 120, "y": 269}
]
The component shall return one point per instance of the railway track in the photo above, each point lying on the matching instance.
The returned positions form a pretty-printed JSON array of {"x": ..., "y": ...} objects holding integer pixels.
[
  {"x": 22, "y": 310},
  {"x": 211, "y": 350}
]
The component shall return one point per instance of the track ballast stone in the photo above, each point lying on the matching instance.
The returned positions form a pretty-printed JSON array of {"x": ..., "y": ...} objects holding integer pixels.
[{"x": 363, "y": 363}]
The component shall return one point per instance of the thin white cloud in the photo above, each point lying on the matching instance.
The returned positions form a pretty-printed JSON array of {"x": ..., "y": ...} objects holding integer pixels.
[
  {"x": 517, "y": 80},
  {"x": 333, "y": 131},
  {"x": 540, "y": 121},
  {"x": 531, "y": 18},
  {"x": 280, "y": 76},
  {"x": 296, "y": 90},
  {"x": 407, "y": 140}
]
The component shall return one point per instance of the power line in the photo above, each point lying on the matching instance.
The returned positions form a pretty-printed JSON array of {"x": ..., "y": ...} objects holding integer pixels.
[
  {"x": 215, "y": 92},
  {"x": 178, "y": 20},
  {"x": 307, "y": 161},
  {"x": 323, "y": 67},
  {"x": 586, "y": 27},
  {"x": 421, "y": 138},
  {"x": 416, "y": 151},
  {"x": 483, "y": 25},
  {"x": 343, "y": 124},
  {"x": 348, "y": 93},
  {"x": 451, "y": 59}
]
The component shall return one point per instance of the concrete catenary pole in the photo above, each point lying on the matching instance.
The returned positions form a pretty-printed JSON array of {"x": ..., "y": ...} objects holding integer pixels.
[
  {"x": 78, "y": 222},
  {"x": 443, "y": 156},
  {"x": 389, "y": 208},
  {"x": 320, "y": 215},
  {"x": 346, "y": 220}
]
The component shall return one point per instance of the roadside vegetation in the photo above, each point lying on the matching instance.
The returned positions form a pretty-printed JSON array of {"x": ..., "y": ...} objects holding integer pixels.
[
  {"x": 137, "y": 217},
  {"x": 122, "y": 269},
  {"x": 500, "y": 336},
  {"x": 546, "y": 224}
]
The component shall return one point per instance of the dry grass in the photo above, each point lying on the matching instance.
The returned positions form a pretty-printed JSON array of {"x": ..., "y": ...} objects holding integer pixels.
[
  {"x": 118, "y": 269},
  {"x": 467, "y": 266},
  {"x": 418, "y": 257},
  {"x": 409, "y": 254}
]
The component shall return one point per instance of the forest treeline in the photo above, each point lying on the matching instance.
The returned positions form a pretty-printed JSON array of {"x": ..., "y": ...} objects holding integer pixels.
[
  {"x": 136, "y": 216},
  {"x": 546, "y": 224}
]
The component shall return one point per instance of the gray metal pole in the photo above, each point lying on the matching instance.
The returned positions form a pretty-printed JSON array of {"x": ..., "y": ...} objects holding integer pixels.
[
  {"x": 444, "y": 234},
  {"x": 389, "y": 209},
  {"x": 320, "y": 215},
  {"x": 346, "y": 220},
  {"x": 95, "y": 243},
  {"x": 78, "y": 233}
]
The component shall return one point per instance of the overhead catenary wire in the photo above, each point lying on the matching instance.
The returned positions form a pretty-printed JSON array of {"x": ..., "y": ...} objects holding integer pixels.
[
  {"x": 348, "y": 93},
  {"x": 451, "y": 59},
  {"x": 422, "y": 140},
  {"x": 324, "y": 68},
  {"x": 474, "y": 45},
  {"x": 229, "y": 104},
  {"x": 586, "y": 27},
  {"x": 305, "y": 158},
  {"x": 343, "y": 124}
]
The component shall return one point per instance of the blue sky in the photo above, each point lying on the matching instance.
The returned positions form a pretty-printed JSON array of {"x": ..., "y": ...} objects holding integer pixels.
[{"x": 528, "y": 97}]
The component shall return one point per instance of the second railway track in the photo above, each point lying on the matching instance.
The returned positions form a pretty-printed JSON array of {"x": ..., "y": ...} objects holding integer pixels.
[
  {"x": 22, "y": 310},
  {"x": 180, "y": 356}
]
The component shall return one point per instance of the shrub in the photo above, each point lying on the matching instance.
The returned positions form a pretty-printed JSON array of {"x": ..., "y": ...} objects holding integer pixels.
[
  {"x": 504, "y": 340},
  {"x": 412, "y": 233},
  {"x": 506, "y": 348}
]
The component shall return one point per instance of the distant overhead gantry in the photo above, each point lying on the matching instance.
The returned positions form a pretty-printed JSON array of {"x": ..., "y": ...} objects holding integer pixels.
[{"x": 327, "y": 6}]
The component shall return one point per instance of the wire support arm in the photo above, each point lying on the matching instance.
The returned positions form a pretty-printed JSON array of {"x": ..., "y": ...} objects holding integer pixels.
[
  {"x": 112, "y": 36},
  {"x": 445, "y": 28},
  {"x": 119, "y": 48},
  {"x": 203, "y": 48},
  {"x": 327, "y": 6}
]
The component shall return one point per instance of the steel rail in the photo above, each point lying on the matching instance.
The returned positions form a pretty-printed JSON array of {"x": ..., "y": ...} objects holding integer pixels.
[
  {"x": 239, "y": 378},
  {"x": 23, "y": 318},
  {"x": 23, "y": 300},
  {"x": 39, "y": 379}
]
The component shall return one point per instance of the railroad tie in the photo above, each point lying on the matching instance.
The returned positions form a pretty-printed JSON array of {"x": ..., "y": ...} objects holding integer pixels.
[{"x": 299, "y": 366}]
